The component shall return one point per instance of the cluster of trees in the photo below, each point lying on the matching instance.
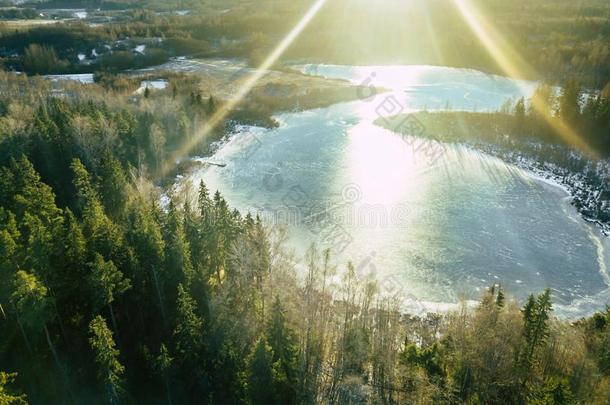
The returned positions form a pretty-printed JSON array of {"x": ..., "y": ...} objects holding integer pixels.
[
  {"x": 55, "y": 49},
  {"x": 82, "y": 122},
  {"x": 18, "y": 13},
  {"x": 107, "y": 295},
  {"x": 113, "y": 298},
  {"x": 42, "y": 60},
  {"x": 588, "y": 114},
  {"x": 65, "y": 41},
  {"x": 536, "y": 122}
]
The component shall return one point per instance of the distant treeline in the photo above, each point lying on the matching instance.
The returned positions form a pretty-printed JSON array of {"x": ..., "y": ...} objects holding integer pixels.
[
  {"x": 558, "y": 38},
  {"x": 86, "y": 4},
  {"x": 18, "y": 13},
  {"x": 55, "y": 48},
  {"x": 539, "y": 119}
]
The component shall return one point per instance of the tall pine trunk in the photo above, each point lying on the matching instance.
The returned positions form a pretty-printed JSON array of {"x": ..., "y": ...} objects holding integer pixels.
[
  {"x": 159, "y": 297},
  {"x": 25, "y": 336},
  {"x": 114, "y": 324},
  {"x": 167, "y": 391},
  {"x": 52, "y": 347}
]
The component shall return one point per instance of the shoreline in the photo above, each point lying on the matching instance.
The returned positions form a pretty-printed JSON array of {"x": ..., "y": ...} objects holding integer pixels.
[
  {"x": 582, "y": 179},
  {"x": 573, "y": 183},
  {"x": 417, "y": 307}
]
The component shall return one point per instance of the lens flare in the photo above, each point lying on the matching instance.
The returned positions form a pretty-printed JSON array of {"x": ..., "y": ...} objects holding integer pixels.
[
  {"x": 251, "y": 81},
  {"x": 513, "y": 64}
]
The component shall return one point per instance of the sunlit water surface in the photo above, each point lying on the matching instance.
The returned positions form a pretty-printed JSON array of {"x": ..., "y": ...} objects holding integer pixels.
[{"x": 434, "y": 228}]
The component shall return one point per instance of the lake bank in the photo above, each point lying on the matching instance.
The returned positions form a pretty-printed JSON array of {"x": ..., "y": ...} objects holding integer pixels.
[
  {"x": 428, "y": 234},
  {"x": 580, "y": 177}
]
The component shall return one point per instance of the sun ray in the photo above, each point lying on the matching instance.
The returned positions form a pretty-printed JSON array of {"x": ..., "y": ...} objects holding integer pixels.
[
  {"x": 247, "y": 86},
  {"x": 429, "y": 25},
  {"x": 513, "y": 65}
]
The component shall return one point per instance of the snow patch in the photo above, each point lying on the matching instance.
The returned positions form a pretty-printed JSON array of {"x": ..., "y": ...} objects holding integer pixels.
[
  {"x": 84, "y": 78},
  {"x": 159, "y": 84}
]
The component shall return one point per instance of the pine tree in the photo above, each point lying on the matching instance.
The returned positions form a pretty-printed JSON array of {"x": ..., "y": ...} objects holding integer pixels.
[
  {"x": 520, "y": 108},
  {"x": 34, "y": 308},
  {"x": 520, "y": 114},
  {"x": 260, "y": 375},
  {"x": 103, "y": 236},
  {"x": 146, "y": 239},
  {"x": 283, "y": 342},
  {"x": 500, "y": 298},
  {"x": 113, "y": 186},
  {"x": 536, "y": 313},
  {"x": 37, "y": 217},
  {"x": 163, "y": 366},
  {"x": 570, "y": 101},
  {"x": 206, "y": 229},
  {"x": 529, "y": 319},
  {"x": 177, "y": 251},
  {"x": 69, "y": 260},
  {"x": 555, "y": 391},
  {"x": 188, "y": 341},
  {"x": 106, "y": 283},
  {"x": 544, "y": 307},
  {"x": 31, "y": 301},
  {"x": 110, "y": 370},
  {"x": 29, "y": 195},
  {"x": 9, "y": 249},
  {"x": 87, "y": 197},
  {"x": 211, "y": 108},
  {"x": 188, "y": 333},
  {"x": 191, "y": 231}
]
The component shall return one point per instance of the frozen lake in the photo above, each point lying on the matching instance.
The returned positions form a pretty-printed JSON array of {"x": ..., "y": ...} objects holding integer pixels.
[{"x": 432, "y": 225}]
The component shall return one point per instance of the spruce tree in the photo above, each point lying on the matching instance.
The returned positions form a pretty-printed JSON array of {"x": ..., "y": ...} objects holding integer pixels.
[
  {"x": 31, "y": 302},
  {"x": 106, "y": 283},
  {"x": 188, "y": 334},
  {"x": 261, "y": 375},
  {"x": 145, "y": 237},
  {"x": 570, "y": 101},
  {"x": 9, "y": 250},
  {"x": 284, "y": 344},
  {"x": 113, "y": 186},
  {"x": 103, "y": 235},
  {"x": 188, "y": 341},
  {"x": 163, "y": 366},
  {"x": 177, "y": 251},
  {"x": 110, "y": 370},
  {"x": 69, "y": 260}
]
